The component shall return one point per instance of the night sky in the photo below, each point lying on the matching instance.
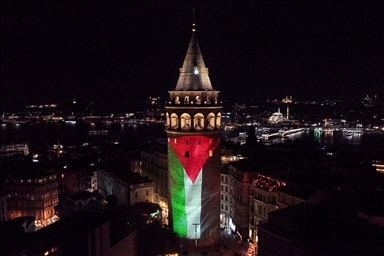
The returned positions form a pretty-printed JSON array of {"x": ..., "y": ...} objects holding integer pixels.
[{"x": 128, "y": 50}]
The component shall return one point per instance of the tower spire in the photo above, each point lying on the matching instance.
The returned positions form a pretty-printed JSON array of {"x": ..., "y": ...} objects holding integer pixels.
[{"x": 193, "y": 21}]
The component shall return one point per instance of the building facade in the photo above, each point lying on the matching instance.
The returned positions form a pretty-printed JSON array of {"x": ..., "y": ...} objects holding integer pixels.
[
  {"x": 153, "y": 164},
  {"x": 193, "y": 126},
  {"x": 33, "y": 194},
  {"x": 239, "y": 181},
  {"x": 263, "y": 198},
  {"x": 225, "y": 200},
  {"x": 19, "y": 147},
  {"x": 128, "y": 189}
]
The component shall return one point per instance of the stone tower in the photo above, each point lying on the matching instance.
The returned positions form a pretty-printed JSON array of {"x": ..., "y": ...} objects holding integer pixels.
[{"x": 193, "y": 126}]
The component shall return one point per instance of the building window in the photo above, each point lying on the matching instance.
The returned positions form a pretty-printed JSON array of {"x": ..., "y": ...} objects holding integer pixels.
[
  {"x": 186, "y": 154},
  {"x": 186, "y": 142},
  {"x": 210, "y": 153}
]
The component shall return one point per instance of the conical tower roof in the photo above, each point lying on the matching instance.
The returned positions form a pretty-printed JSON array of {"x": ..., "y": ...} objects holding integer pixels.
[{"x": 194, "y": 75}]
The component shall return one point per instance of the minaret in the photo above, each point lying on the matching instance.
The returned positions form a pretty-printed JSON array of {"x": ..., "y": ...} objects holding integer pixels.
[
  {"x": 193, "y": 126},
  {"x": 287, "y": 101}
]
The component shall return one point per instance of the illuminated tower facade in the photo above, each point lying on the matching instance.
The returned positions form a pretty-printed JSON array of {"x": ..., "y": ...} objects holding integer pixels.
[{"x": 193, "y": 126}]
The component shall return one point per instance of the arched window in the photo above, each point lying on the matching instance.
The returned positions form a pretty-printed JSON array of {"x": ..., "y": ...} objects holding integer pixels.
[
  {"x": 186, "y": 100},
  {"x": 186, "y": 142},
  {"x": 186, "y": 154},
  {"x": 211, "y": 121},
  {"x": 174, "y": 121},
  {"x": 177, "y": 100},
  {"x": 198, "y": 121},
  {"x": 185, "y": 121},
  {"x": 218, "y": 120},
  {"x": 168, "y": 120},
  {"x": 198, "y": 100}
]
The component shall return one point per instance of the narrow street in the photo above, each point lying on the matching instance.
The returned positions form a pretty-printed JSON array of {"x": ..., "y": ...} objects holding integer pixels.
[
  {"x": 229, "y": 246},
  {"x": 232, "y": 245}
]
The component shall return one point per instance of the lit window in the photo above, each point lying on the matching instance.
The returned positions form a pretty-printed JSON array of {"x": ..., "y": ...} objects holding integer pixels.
[{"x": 210, "y": 153}]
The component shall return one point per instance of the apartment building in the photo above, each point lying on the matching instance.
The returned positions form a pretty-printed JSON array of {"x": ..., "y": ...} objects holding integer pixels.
[
  {"x": 153, "y": 164},
  {"x": 32, "y": 191},
  {"x": 129, "y": 188}
]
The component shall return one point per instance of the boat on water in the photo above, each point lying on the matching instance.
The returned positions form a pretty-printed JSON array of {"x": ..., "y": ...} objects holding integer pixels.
[
  {"x": 229, "y": 127},
  {"x": 348, "y": 134},
  {"x": 98, "y": 132}
]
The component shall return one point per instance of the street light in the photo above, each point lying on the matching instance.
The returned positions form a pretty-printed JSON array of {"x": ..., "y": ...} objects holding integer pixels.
[{"x": 195, "y": 224}]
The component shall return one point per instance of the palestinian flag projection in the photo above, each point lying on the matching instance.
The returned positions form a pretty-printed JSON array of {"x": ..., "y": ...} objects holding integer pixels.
[{"x": 187, "y": 156}]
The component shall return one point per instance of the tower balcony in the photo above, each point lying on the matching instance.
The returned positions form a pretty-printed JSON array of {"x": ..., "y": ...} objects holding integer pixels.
[{"x": 178, "y": 103}]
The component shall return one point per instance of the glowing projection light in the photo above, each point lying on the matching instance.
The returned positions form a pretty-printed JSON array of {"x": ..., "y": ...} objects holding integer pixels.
[
  {"x": 196, "y": 71},
  {"x": 187, "y": 156}
]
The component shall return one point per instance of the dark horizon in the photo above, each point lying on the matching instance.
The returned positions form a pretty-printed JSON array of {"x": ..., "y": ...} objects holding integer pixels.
[{"x": 122, "y": 51}]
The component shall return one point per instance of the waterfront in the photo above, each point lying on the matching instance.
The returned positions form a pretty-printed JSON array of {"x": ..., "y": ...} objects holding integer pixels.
[
  {"x": 360, "y": 141},
  {"x": 40, "y": 135}
]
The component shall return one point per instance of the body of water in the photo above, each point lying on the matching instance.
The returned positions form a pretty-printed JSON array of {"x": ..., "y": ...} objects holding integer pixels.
[{"x": 40, "y": 135}]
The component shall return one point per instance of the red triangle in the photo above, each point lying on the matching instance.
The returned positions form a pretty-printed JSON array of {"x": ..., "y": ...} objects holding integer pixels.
[{"x": 198, "y": 148}]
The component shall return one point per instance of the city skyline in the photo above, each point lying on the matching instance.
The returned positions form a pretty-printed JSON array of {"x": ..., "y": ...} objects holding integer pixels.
[{"x": 127, "y": 50}]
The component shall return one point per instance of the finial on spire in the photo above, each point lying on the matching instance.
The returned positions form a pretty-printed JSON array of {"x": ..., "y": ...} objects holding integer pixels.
[{"x": 193, "y": 21}]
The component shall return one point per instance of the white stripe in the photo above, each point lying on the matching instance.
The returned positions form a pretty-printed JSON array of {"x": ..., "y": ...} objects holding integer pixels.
[{"x": 193, "y": 205}]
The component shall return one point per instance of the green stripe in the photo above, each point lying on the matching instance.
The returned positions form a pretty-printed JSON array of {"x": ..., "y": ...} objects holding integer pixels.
[{"x": 176, "y": 172}]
